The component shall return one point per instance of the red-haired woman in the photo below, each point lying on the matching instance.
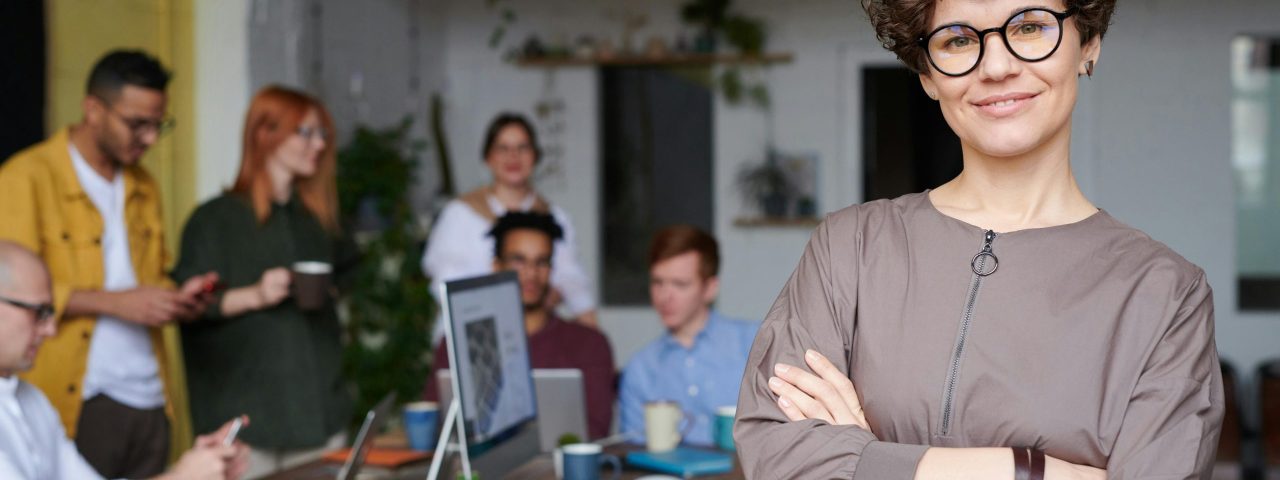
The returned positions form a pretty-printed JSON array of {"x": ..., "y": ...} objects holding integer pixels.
[{"x": 255, "y": 351}]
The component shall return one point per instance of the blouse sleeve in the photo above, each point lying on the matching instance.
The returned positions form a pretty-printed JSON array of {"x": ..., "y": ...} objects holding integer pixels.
[
  {"x": 201, "y": 252},
  {"x": 1170, "y": 427},
  {"x": 448, "y": 247},
  {"x": 815, "y": 310},
  {"x": 567, "y": 274}
]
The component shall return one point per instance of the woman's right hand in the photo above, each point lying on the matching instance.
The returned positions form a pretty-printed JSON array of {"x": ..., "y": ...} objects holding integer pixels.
[
  {"x": 827, "y": 394},
  {"x": 273, "y": 287}
]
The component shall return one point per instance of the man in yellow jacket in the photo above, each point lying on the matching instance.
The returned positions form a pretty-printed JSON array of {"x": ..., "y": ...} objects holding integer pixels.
[{"x": 81, "y": 201}]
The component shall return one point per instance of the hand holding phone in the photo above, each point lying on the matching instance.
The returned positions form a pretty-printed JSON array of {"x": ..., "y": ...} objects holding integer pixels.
[
  {"x": 214, "y": 286},
  {"x": 230, "y": 439}
]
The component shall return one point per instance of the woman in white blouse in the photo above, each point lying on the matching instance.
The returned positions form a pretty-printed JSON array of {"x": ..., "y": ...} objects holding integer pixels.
[{"x": 459, "y": 245}]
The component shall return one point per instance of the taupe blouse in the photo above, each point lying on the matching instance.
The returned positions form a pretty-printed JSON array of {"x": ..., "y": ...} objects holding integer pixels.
[{"x": 1090, "y": 341}]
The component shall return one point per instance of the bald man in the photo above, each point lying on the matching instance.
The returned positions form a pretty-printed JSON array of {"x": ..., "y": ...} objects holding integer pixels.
[{"x": 33, "y": 444}]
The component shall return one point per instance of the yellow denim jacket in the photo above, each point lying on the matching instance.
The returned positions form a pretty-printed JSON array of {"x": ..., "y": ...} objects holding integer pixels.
[{"x": 43, "y": 207}]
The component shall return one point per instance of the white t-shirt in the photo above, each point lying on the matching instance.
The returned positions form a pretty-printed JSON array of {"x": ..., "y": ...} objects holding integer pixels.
[
  {"x": 33, "y": 445},
  {"x": 122, "y": 364},
  {"x": 459, "y": 247}
]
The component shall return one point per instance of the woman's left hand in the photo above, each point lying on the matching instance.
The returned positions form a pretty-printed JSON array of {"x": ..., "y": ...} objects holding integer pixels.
[{"x": 828, "y": 396}]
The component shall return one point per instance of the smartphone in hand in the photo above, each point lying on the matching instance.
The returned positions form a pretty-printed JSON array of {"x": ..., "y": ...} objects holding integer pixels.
[
  {"x": 214, "y": 287},
  {"x": 230, "y": 439}
]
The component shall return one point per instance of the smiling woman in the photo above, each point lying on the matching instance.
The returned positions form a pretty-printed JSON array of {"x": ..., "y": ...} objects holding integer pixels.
[{"x": 1001, "y": 325}]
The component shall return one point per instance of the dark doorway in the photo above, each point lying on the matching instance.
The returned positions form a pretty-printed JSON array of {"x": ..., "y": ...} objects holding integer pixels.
[
  {"x": 22, "y": 75},
  {"x": 657, "y": 154},
  {"x": 907, "y": 145}
]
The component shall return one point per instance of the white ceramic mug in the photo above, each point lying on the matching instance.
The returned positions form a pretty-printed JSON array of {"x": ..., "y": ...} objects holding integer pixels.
[{"x": 662, "y": 430}]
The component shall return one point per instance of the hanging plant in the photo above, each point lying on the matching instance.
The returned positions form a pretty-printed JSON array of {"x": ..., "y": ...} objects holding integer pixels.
[{"x": 507, "y": 16}]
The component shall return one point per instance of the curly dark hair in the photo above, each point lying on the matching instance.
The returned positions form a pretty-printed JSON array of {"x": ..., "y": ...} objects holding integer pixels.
[
  {"x": 538, "y": 222},
  {"x": 899, "y": 23}
]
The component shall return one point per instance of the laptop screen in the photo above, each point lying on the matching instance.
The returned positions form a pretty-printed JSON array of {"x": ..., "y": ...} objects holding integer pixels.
[
  {"x": 489, "y": 355},
  {"x": 562, "y": 405}
]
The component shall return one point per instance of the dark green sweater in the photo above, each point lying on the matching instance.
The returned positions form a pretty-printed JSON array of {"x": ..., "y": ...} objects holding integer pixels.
[{"x": 280, "y": 366}]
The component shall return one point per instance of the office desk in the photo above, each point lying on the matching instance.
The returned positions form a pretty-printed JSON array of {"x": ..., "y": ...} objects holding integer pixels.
[
  {"x": 319, "y": 469},
  {"x": 538, "y": 468},
  {"x": 542, "y": 468}
]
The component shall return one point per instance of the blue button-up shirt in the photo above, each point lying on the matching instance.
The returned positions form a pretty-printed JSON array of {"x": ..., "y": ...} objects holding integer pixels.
[{"x": 701, "y": 379}]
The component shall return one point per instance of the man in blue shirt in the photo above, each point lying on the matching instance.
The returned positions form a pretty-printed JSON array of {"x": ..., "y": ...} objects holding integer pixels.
[{"x": 698, "y": 362}]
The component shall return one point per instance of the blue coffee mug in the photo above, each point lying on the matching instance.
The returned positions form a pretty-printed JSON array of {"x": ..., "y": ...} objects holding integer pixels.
[
  {"x": 420, "y": 419},
  {"x": 724, "y": 427},
  {"x": 582, "y": 461}
]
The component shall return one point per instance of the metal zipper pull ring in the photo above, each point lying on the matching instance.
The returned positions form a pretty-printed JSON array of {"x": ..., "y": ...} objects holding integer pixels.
[{"x": 980, "y": 261}]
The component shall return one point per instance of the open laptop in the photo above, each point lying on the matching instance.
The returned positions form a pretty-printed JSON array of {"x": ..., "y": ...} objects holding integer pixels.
[
  {"x": 373, "y": 422},
  {"x": 372, "y": 426},
  {"x": 561, "y": 398}
]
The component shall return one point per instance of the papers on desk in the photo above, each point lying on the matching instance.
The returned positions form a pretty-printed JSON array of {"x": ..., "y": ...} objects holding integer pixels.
[{"x": 684, "y": 462}]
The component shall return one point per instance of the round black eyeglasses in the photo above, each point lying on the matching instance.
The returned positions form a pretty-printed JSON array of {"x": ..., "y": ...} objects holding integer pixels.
[{"x": 1031, "y": 35}]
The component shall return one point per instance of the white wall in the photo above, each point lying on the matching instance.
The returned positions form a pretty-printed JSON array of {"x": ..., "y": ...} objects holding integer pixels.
[{"x": 222, "y": 91}]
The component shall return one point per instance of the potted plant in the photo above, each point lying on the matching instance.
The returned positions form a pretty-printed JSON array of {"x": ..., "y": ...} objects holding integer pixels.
[
  {"x": 387, "y": 315},
  {"x": 767, "y": 185},
  {"x": 710, "y": 16}
]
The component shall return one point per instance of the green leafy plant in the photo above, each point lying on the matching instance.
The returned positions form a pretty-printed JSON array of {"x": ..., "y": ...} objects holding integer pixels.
[
  {"x": 507, "y": 17},
  {"x": 710, "y": 14},
  {"x": 766, "y": 185},
  {"x": 567, "y": 439},
  {"x": 388, "y": 314},
  {"x": 747, "y": 34}
]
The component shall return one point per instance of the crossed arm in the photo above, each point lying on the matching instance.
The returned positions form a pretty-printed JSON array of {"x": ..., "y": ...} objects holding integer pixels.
[{"x": 828, "y": 395}]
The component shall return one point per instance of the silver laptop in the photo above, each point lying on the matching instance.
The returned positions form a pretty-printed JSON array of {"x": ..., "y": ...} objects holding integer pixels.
[
  {"x": 372, "y": 426},
  {"x": 561, "y": 398}
]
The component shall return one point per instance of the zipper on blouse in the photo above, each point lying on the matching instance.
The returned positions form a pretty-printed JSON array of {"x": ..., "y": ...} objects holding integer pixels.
[{"x": 983, "y": 264}]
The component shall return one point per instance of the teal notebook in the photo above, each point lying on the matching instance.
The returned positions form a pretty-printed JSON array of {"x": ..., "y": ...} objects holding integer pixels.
[{"x": 683, "y": 462}]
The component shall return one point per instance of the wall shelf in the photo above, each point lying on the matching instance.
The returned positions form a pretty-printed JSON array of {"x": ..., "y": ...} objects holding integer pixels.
[
  {"x": 777, "y": 222},
  {"x": 679, "y": 60}
]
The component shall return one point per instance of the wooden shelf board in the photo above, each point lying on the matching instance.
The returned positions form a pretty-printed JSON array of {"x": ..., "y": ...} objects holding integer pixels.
[
  {"x": 784, "y": 222},
  {"x": 668, "y": 60}
]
